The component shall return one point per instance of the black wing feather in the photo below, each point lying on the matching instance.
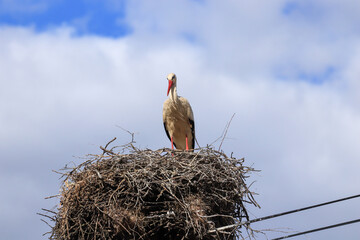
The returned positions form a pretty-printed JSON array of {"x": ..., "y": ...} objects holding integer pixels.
[
  {"x": 167, "y": 133},
  {"x": 192, "y": 125}
]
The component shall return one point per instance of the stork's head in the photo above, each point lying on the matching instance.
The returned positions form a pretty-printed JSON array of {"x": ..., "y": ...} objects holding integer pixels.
[{"x": 172, "y": 81}]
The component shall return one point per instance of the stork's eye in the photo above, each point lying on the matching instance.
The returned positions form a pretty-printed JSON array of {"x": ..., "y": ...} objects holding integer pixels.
[{"x": 173, "y": 77}]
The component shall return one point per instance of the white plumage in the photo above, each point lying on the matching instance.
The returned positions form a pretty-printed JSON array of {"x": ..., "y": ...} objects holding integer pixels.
[{"x": 178, "y": 118}]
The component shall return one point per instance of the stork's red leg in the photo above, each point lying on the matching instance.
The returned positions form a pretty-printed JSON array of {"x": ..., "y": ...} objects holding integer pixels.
[
  {"x": 187, "y": 145},
  {"x": 172, "y": 143}
]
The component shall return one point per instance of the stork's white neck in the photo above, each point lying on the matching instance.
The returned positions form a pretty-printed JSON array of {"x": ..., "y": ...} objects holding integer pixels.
[{"x": 173, "y": 94}]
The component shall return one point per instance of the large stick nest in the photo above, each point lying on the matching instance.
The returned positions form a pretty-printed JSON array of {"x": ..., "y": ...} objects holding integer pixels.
[{"x": 161, "y": 194}]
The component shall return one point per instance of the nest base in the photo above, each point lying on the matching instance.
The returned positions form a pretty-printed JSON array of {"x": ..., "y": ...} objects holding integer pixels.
[{"x": 147, "y": 194}]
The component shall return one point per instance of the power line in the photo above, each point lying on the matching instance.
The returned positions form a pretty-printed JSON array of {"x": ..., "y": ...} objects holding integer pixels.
[
  {"x": 318, "y": 229},
  {"x": 289, "y": 212},
  {"x": 299, "y": 210}
]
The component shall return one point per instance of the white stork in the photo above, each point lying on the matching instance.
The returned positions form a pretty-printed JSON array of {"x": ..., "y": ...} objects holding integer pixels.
[{"x": 178, "y": 118}]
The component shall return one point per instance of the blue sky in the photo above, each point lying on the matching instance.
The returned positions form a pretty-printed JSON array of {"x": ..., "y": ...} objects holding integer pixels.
[
  {"x": 87, "y": 17},
  {"x": 73, "y": 71}
]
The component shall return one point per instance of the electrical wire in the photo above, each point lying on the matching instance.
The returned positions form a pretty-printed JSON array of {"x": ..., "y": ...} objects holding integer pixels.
[
  {"x": 299, "y": 210},
  {"x": 293, "y": 211},
  {"x": 318, "y": 229}
]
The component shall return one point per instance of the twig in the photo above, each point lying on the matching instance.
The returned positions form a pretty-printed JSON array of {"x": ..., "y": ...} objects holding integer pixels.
[
  {"x": 104, "y": 148},
  {"x": 110, "y": 142},
  {"x": 131, "y": 133},
  {"x": 54, "y": 196},
  {"x": 226, "y": 130}
]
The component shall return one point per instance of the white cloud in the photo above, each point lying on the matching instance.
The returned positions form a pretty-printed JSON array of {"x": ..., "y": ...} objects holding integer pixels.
[{"x": 63, "y": 95}]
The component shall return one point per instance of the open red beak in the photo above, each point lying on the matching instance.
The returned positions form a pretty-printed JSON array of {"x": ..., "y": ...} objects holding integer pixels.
[{"x": 170, "y": 84}]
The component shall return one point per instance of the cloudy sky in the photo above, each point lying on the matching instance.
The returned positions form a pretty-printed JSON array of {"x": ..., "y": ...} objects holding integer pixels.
[{"x": 72, "y": 72}]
